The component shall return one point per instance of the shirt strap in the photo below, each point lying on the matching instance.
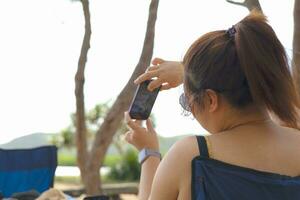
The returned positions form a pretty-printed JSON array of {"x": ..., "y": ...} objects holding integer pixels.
[{"x": 202, "y": 145}]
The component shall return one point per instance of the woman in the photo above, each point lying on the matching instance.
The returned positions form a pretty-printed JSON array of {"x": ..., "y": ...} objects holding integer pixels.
[{"x": 233, "y": 81}]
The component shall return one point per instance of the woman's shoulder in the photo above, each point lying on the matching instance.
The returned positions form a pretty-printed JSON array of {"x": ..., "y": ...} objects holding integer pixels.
[
  {"x": 186, "y": 148},
  {"x": 180, "y": 155}
]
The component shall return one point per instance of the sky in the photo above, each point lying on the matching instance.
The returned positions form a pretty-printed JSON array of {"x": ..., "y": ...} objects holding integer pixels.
[{"x": 40, "y": 43}]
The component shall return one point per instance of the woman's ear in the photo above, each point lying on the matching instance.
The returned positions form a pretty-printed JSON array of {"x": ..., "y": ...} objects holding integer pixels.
[{"x": 212, "y": 99}]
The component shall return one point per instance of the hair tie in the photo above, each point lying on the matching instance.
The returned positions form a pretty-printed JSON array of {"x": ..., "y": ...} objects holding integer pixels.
[{"x": 231, "y": 31}]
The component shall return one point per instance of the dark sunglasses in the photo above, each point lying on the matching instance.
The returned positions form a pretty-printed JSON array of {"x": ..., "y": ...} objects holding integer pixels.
[{"x": 184, "y": 102}]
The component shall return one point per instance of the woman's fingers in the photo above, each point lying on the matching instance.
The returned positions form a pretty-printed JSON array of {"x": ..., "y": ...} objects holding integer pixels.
[
  {"x": 151, "y": 71},
  {"x": 134, "y": 125},
  {"x": 128, "y": 136},
  {"x": 139, "y": 122},
  {"x": 150, "y": 126},
  {"x": 165, "y": 86},
  {"x": 127, "y": 116},
  {"x": 157, "y": 61},
  {"x": 154, "y": 84},
  {"x": 146, "y": 76},
  {"x": 139, "y": 136},
  {"x": 151, "y": 68}
]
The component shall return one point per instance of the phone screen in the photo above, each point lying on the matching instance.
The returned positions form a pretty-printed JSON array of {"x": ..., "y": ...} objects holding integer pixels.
[{"x": 143, "y": 101}]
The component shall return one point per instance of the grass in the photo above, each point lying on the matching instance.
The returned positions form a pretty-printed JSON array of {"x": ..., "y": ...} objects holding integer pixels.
[
  {"x": 65, "y": 159},
  {"x": 76, "y": 180},
  {"x": 67, "y": 179}
]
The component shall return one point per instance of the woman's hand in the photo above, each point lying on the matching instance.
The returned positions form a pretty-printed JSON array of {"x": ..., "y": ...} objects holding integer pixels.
[
  {"x": 139, "y": 136},
  {"x": 169, "y": 74}
]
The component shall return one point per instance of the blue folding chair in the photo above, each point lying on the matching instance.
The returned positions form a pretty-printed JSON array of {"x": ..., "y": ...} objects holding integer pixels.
[{"x": 27, "y": 169}]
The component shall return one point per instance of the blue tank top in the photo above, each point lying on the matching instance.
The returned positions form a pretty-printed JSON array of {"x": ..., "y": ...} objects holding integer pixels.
[{"x": 216, "y": 180}]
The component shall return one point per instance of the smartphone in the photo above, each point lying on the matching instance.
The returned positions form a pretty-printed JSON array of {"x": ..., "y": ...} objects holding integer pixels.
[
  {"x": 143, "y": 101},
  {"x": 101, "y": 197}
]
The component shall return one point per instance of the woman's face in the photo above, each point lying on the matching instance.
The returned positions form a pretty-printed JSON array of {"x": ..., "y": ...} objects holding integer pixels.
[{"x": 210, "y": 114}]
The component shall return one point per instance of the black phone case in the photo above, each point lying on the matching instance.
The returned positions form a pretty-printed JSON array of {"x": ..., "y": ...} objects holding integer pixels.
[{"x": 141, "y": 109}]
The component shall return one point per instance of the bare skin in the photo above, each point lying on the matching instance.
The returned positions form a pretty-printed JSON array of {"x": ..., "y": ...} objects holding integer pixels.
[{"x": 247, "y": 138}]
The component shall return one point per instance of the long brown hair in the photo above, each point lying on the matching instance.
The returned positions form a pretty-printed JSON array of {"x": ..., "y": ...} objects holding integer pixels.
[{"x": 246, "y": 66}]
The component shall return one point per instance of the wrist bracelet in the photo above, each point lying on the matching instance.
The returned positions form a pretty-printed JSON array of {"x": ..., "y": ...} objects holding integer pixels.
[{"x": 146, "y": 153}]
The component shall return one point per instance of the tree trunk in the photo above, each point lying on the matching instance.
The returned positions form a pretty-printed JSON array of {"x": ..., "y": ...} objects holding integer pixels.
[
  {"x": 296, "y": 45},
  {"x": 81, "y": 131},
  {"x": 249, "y": 4},
  {"x": 92, "y": 181},
  {"x": 113, "y": 118}
]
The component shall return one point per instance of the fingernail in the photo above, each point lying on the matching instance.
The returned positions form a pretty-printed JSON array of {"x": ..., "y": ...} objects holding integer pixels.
[{"x": 126, "y": 116}]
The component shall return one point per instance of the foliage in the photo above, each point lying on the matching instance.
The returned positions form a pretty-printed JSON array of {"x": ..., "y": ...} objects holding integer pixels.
[
  {"x": 66, "y": 159},
  {"x": 111, "y": 160},
  {"x": 56, "y": 140},
  {"x": 127, "y": 169},
  {"x": 68, "y": 137},
  {"x": 65, "y": 138},
  {"x": 94, "y": 119}
]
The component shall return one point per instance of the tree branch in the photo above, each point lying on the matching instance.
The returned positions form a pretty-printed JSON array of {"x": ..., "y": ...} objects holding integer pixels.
[
  {"x": 236, "y": 3},
  {"x": 113, "y": 119},
  {"x": 249, "y": 4},
  {"x": 80, "y": 124}
]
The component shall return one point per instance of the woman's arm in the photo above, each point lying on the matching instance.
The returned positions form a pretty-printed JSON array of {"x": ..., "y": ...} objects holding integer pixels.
[
  {"x": 173, "y": 170},
  {"x": 149, "y": 168},
  {"x": 160, "y": 180},
  {"x": 141, "y": 138},
  {"x": 169, "y": 74},
  {"x": 166, "y": 182}
]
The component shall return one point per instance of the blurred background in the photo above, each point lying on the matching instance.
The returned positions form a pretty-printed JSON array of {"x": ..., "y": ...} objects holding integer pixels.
[{"x": 45, "y": 43}]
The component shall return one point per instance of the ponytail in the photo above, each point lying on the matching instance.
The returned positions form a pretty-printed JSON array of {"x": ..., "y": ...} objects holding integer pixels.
[
  {"x": 264, "y": 62},
  {"x": 247, "y": 65}
]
